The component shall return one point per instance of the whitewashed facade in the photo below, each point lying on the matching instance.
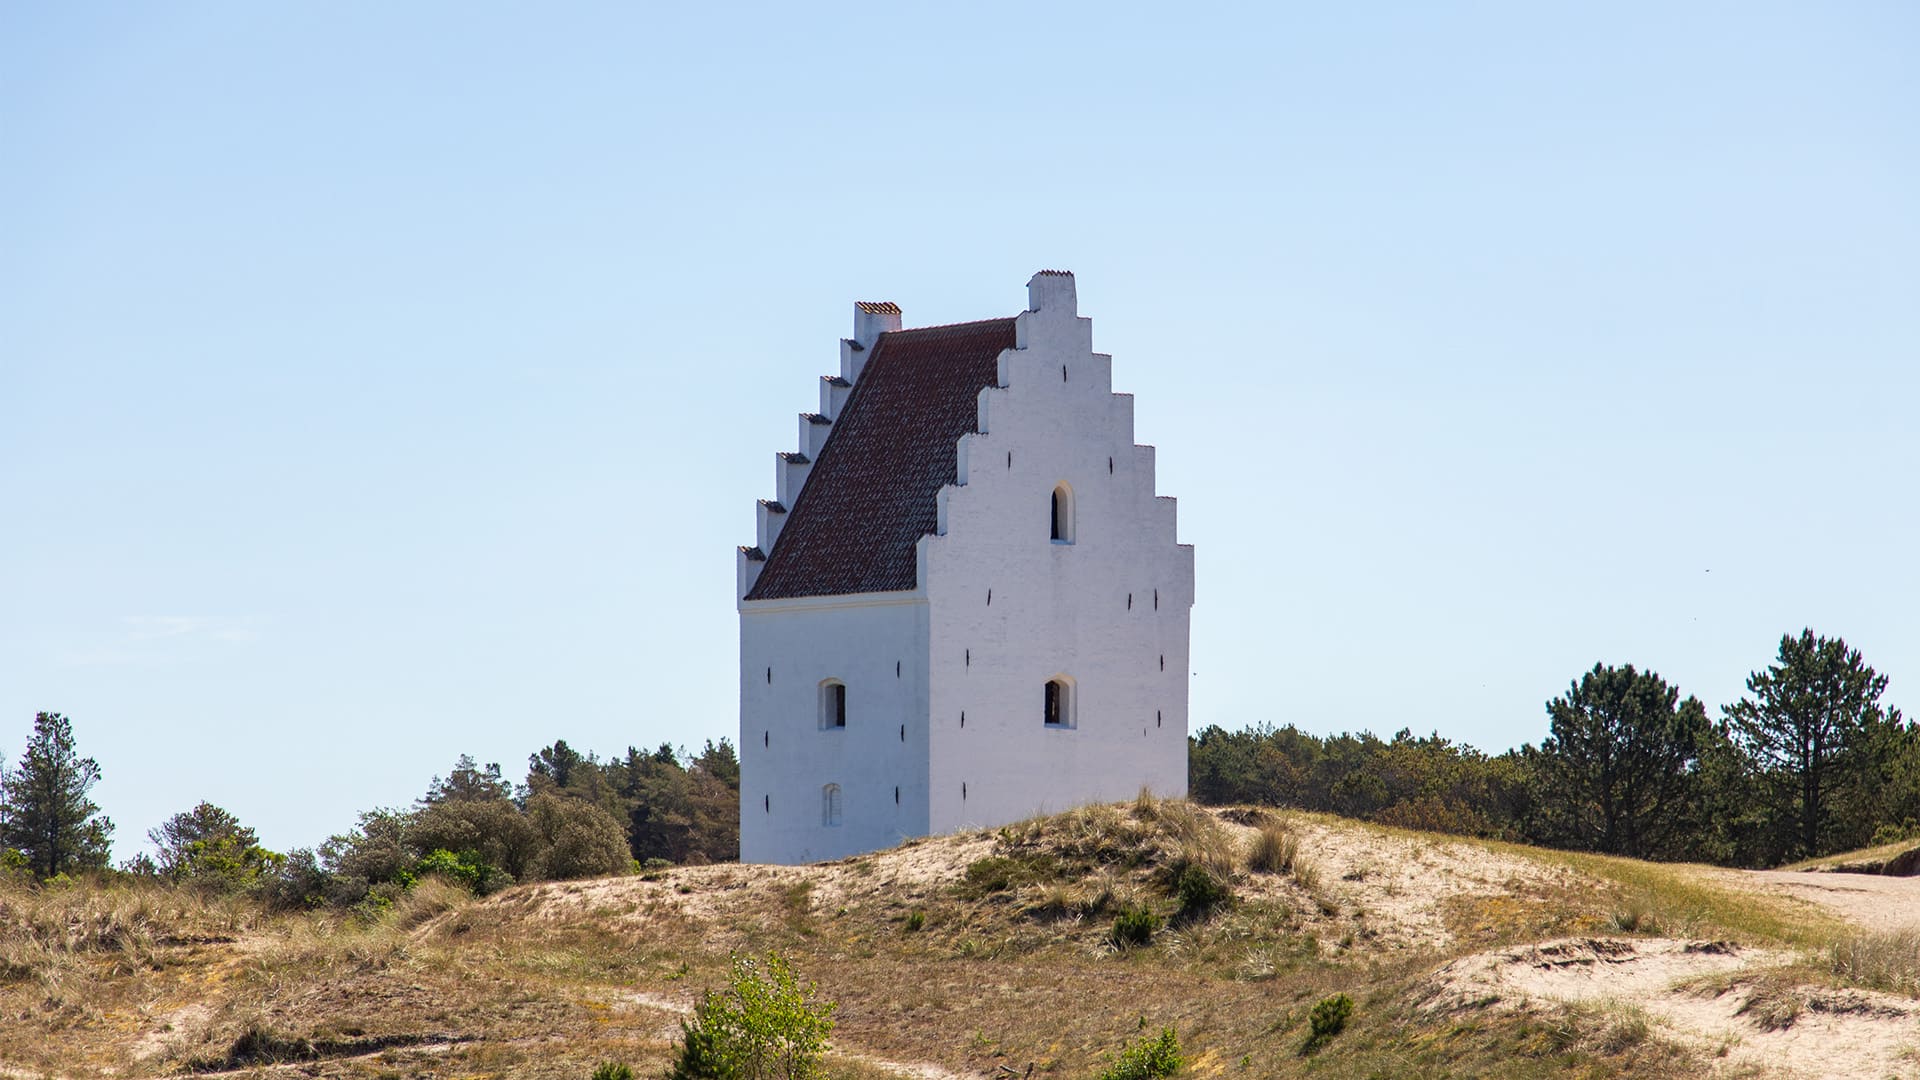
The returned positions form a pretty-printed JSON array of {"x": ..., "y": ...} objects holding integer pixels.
[{"x": 895, "y": 659}]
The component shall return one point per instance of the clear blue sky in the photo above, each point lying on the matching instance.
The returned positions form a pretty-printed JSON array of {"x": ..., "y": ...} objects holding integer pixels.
[{"x": 385, "y": 382}]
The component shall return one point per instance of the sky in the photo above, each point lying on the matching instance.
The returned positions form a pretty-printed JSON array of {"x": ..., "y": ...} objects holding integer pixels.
[{"x": 381, "y": 383}]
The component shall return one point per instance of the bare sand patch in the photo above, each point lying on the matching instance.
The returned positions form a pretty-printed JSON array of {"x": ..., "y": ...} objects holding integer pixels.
[
  {"x": 1709, "y": 995},
  {"x": 1402, "y": 884}
]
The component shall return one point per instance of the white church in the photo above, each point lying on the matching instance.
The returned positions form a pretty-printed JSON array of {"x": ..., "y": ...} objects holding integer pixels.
[{"x": 966, "y": 605}]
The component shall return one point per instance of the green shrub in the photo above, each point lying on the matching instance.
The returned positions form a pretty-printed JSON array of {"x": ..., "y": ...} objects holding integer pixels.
[
  {"x": 1146, "y": 1059},
  {"x": 613, "y": 1070},
  {"x": 764, "y": 1025},
  {"x": 1200, "y": 891},
  {"x": 1135, "y": 925},
  {"x": 916, "y": 920},
  {"x": 466, "y": 869},
  {"x": 1328, "y": 1018}
]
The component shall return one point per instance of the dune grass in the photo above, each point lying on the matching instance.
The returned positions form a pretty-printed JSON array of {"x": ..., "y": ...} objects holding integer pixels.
[{"x": 1010, "y": 963}]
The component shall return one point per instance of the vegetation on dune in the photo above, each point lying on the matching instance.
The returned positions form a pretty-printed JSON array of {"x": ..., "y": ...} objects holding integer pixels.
[
  {"x": 763, "y": 1026},
  {"x": 48, "y": 825},
  {"x": 1012, "y": 965},
  {"x": 1809, "y": 763}
]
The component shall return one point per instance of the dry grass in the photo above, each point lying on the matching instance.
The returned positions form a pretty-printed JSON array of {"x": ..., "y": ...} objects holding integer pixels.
[
  {"x": 1274, "y": 849},
  {"x": 1863, "y": 861},
  {"x": 546, "y": 981},
  {"x": 1889, "y": 962}
]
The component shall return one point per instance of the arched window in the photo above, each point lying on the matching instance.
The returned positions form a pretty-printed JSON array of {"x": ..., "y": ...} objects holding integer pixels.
[
  {"x": 1058, "y": 708},
  {"x": 830, "y": 805},
  {"x": 1062, "y": 514},
  {"x": 833, "y": 705}
]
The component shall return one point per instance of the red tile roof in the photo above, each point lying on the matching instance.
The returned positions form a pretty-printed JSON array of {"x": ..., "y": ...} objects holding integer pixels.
[{"x": 870, "y": 495}]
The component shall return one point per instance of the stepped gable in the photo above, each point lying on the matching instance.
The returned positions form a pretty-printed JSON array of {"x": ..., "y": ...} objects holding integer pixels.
[{"x": 871, "y": 494}]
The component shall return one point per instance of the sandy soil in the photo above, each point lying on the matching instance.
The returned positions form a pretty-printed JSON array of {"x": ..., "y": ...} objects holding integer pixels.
[
  {"x": 1692, "y": 992},
  {"x": 1401, "y": 884},
  {"x": 1870, "y": 901}
]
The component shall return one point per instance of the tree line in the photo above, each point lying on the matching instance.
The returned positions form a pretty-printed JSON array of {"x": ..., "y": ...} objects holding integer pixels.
[
  {"x": 1808, "y": 762},
  {"x": 574, "y": 815}
]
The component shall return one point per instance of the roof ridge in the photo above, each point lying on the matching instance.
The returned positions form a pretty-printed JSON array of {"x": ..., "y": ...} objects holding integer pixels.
[{"x": 973, "y": 324}]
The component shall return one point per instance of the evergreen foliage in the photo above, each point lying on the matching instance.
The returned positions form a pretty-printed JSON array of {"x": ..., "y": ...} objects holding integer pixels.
[
  {"x": 45, "y": 813},
  {"x": 1147, "y": 1059},
  {"x": 1619, "y": 772},
  {"x": 1327, "y": 1018},
  {"x": 1813, "y": 727},
  {"x": 208, "y": 846}
]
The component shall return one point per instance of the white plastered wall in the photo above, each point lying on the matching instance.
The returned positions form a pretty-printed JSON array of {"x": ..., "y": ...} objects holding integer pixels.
[
  {"x": 876, "y": 645},
  {"x": 1108, "y": 611}
]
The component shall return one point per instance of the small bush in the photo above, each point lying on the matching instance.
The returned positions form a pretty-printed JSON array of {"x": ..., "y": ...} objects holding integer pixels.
[
  {"x": 465, "y": 868},
  {"x": 1200, "y": 891},
  {"x": 763, "y": 1025},
  {"x": 916, "y": 920},
  {"x": 613, "y": 1070},
  {"x": 1147, "y": 1059},
  {"x": 1328, "y": 1018},
  {"x": 1273, "y": 851},
  {"x": 1135, "y": 926}
]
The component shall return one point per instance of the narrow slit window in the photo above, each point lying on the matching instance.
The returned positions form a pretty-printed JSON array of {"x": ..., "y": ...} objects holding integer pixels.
[
  {"x": 1062, "y": 514},
  {"x": 830, "y": 805}
]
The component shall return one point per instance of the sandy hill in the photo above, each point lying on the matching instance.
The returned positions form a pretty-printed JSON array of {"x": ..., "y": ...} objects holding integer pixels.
[{"x": 992, "y": 953}]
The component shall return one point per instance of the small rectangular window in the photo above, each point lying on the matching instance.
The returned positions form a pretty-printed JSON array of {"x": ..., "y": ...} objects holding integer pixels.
[{"x": 840, "y": 705}]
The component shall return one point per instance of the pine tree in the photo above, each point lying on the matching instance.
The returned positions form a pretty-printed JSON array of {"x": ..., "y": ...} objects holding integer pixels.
[
  {"x": 48, "y": 816},
  {"x": 1809, "y": 726},
  {"x": 1617, "y": 773}
]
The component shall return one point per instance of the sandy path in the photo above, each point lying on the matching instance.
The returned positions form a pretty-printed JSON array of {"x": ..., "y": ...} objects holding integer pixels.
[{"x": 1870, "y": 901}]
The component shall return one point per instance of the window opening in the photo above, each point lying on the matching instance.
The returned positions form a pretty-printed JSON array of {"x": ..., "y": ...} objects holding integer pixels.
[
  {"x": 896, "y": 669},
  {"x": 903, "y": 733},
  {"x": 1129, "y": 601},
  {"x": 989, "y": 597},
  {"x": 1156, "y": 718},
  {"x": 833, "y": 705},
  {"x": 1063, "y": 373},
  {"x": 1062, "y": 516},
  {"x": 1057, "y": 707},
  {"x": 1156, "y": 599},
  {"x": 1109, "y": 466},
  {"x": 766, "y": 738},
  {"x": 830, "y": 805},
  {"x": 1163, "y": 661},
  {"x": 896, "y": 794},
  {"x": 767, "y": 802},
  {"x": 769, "y": 676}
]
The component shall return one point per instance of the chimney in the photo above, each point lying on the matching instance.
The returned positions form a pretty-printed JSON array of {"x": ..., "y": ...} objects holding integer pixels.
[
  {"x": 871, "y": 319},
  {"x": 1052, "y": 291}
]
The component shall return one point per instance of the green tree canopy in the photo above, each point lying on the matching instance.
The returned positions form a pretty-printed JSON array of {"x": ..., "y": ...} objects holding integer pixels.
[
  {"x": 1809, "y": 725},
  {"x": 47, "y": 815},
  {"x": 469, "y": 782},
  {"x": 1617, "y": 772},
  {"x": 208, "y": 844}
]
